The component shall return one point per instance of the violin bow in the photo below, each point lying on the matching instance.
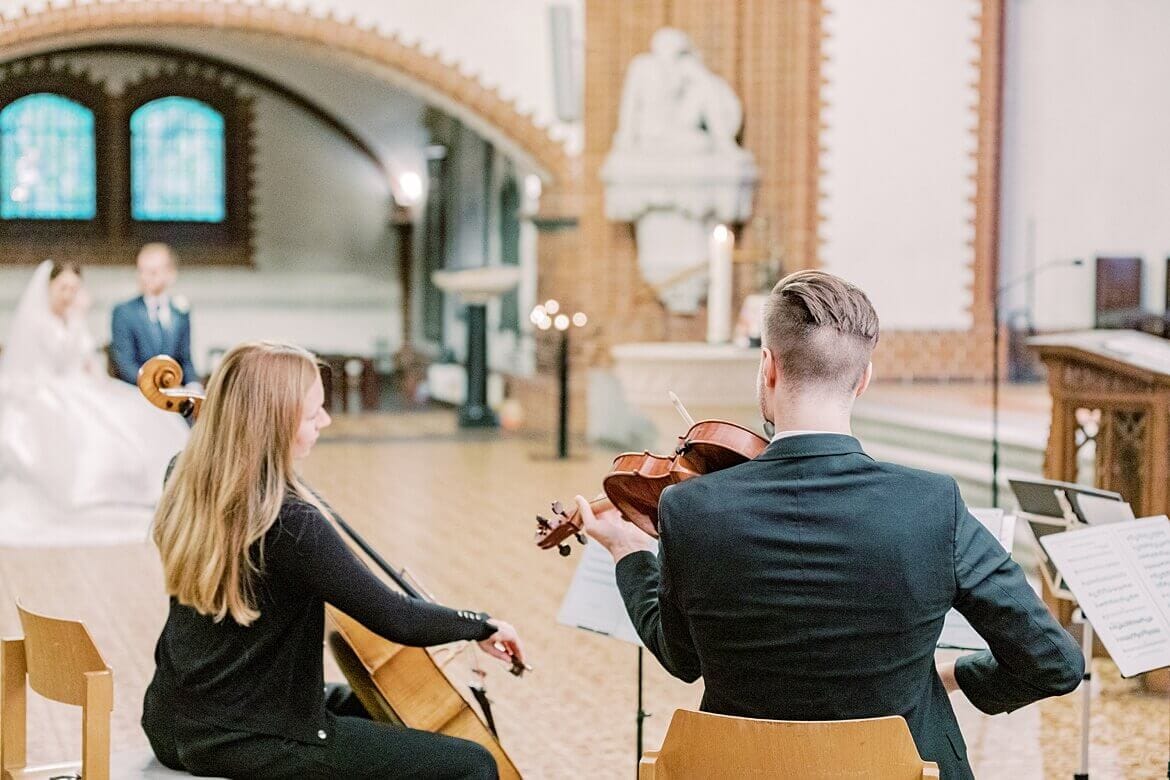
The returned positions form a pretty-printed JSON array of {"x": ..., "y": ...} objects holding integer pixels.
[{"x": 682, "y": 410}]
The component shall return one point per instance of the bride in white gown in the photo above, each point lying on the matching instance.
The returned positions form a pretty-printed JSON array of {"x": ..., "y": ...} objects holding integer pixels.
[{"x": 82, "y": 455}]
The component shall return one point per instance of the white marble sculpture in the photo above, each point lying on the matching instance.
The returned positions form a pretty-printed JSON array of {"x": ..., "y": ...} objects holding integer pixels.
[{"x": 675, "y": 169}]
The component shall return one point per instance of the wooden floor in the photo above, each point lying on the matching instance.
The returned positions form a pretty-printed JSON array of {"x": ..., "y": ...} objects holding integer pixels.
[{"x": 457, "y": 510}]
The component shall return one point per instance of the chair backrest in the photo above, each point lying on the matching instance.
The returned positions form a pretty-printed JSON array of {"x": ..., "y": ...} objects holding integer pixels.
[
  {"x": 1119, "y": 286},
  {"x": 58, "y": 654},
  {"x": 700, "y": 744}
]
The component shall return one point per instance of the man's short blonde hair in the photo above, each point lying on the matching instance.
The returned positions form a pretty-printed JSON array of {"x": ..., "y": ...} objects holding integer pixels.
[
  {"x": 821, "y": 328},
  {"x": 159, "y": 246}
]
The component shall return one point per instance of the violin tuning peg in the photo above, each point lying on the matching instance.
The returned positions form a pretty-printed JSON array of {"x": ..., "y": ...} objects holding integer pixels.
[
  {"x": 558, "y": 508},
  {"x": 565, "y": 550},
  {"x": 580, "y": 537},
  {"x": 543, "y": 524}
]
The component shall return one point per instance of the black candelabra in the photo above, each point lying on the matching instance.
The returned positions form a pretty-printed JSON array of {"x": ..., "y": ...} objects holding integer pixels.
[{"x": 545, "y": 316}]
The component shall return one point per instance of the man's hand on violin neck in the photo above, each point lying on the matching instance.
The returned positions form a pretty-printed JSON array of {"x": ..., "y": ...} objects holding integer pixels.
[{"x": 613, "y": 533}]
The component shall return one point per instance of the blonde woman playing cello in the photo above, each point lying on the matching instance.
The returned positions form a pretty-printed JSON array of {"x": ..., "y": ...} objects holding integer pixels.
[{"x": 250, "y": 560}]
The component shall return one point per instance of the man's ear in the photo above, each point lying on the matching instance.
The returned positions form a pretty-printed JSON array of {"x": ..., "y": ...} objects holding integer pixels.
[
  {"x": 865, "y": 380},
  {"x": 769, "y": 368}
]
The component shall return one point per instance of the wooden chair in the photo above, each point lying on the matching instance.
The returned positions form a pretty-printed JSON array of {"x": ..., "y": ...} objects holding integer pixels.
[
  {"x": 702, "y": 745},
  {"x": 59, "y": 660}
]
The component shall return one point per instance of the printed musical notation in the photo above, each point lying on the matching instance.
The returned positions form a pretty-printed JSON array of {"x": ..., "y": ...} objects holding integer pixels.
[{"x": 1120, "y": 574}]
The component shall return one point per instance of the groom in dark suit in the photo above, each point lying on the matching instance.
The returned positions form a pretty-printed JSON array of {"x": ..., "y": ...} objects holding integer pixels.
[
  {"x": 811, "y": 583},
  {"x": 153, "y": 323}
]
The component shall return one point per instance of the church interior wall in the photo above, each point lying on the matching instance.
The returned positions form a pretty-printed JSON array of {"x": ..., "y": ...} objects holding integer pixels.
[
  {"x": 898, "y": 160},
  {"x": 500, "y": 86},
  {"x": 768, "y": 53},
  {"x": 1085, "y": 151},
  {"x": 516, "y": 57}
]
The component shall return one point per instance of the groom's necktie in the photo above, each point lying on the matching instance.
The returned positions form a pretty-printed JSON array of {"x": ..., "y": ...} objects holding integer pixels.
[{"x": 160, "y": 331}]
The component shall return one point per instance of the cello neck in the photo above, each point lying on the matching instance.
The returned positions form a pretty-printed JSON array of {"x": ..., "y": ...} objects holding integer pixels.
[{"x": 373, "y": 555}]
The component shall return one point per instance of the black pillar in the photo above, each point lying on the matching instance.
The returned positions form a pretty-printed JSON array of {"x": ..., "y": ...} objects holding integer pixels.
[
  {"x": 475, "y": 412},
  {"x": 563, "y": 420}
]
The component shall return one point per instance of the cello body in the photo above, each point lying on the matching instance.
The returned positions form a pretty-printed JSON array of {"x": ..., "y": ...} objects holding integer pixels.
[{"x": 404, "y": 685}]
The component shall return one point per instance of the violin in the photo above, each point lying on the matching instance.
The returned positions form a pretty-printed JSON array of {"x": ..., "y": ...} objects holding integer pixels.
[
  {"x": 636, "y": 481},
  {"x": 396, "y": 684}
]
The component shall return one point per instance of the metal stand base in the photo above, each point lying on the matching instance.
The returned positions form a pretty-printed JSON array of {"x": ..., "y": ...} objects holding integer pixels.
[
  {"x": 642, "y": 714},
  {"x": 476, "y": 416},
  {"x": 1086, "y": 696}
]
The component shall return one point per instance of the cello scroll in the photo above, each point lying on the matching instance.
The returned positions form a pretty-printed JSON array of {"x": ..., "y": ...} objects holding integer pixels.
[{"x": 161, "y": 380}]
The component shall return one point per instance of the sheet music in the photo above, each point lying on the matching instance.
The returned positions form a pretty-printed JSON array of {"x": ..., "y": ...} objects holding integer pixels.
[
  {"x": 957, "y": 633},
  {"x": 1120, "y": 574},
  {"x": 1098, "y": 511},
  {"x": 593, "y": 601}
]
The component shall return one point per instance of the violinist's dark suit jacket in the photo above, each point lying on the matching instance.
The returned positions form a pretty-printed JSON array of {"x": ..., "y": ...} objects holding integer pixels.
[{"x": 811, "y": 584}]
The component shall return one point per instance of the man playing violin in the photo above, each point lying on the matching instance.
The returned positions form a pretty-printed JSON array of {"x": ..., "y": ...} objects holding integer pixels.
[{"x": 811, "y": 582}]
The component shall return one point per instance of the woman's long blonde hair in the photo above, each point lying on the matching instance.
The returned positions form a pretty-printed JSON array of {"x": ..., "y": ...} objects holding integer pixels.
[{"x": 228, "y": 484}]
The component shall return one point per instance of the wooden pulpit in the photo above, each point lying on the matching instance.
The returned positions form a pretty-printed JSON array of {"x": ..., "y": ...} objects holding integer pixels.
[{"x": 1111, "y": 388}]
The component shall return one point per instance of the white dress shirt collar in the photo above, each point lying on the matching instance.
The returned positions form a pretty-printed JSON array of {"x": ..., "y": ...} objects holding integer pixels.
[
  {"x": 785, "y": 434},
  {"x": 159, "y": 306}
]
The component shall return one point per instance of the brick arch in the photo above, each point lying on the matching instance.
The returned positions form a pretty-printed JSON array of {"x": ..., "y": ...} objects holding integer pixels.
[{"x": 434, "y": 80}]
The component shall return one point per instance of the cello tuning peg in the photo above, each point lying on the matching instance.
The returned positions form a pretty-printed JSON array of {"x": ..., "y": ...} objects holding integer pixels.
[
  {"x": 580, "y": 537},
  {"x": 565, "y": 550}
]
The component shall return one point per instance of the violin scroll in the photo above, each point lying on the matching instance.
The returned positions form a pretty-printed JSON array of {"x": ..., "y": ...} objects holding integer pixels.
[
  {"x": 565, "y": 524},
  {"x": 161, "y": 380}
]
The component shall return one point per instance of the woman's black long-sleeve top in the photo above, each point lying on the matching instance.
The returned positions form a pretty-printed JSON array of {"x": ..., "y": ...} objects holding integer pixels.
[{"x": 267, "y": 678}]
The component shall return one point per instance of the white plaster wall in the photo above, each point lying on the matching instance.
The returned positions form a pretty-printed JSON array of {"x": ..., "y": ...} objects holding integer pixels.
[
  {"x": 506, "y": 43},
  {"x": 320, "y": 204},
  {"x": 897, "y": 163},
  {"x": 1086, "y": 166}
]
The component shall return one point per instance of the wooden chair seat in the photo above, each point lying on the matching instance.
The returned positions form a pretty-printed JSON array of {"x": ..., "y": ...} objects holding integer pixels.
[{"x": 703, "y": 745}]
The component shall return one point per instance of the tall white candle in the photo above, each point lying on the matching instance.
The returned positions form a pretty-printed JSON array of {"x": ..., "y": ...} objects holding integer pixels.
[{"x": 719, "y": 285}]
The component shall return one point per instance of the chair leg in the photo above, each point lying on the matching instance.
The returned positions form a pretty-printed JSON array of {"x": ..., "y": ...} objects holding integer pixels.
[
  {"x": 95, "y": 725},
  {"x": 13, "y": 704},
  {"x": 648, "y": 766}
]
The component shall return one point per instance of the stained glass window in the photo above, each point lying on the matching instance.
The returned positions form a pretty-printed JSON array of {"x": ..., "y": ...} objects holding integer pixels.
[
  {"x": 177, "y": 162},
  {"x": 47, "y": 161}
]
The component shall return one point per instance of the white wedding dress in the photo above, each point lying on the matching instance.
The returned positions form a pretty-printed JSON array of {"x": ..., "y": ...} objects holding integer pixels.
[{"x": 82, "y": 455}]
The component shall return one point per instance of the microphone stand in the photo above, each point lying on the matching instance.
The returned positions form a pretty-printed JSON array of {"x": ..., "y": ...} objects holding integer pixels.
[{"x": 996, "y": 294}]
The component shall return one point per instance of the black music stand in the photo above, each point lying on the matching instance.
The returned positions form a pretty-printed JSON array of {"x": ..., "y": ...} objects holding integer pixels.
[{"x": 1049, "y": 507}]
